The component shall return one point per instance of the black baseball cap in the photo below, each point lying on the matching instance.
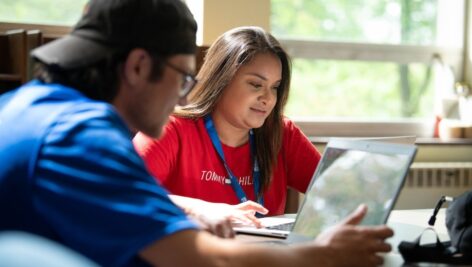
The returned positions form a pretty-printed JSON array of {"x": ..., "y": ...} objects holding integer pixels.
[{"x": 163, "y": 27}]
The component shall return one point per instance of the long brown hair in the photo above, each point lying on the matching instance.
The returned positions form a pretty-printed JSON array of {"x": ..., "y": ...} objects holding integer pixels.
[{"x": 226, "y": 55}]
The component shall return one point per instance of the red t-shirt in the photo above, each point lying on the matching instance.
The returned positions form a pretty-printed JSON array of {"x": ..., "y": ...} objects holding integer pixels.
[{"x": 187, "y": 164}]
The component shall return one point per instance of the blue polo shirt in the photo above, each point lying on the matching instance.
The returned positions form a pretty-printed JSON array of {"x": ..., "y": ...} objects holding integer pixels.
[{"x": 69, "y": 172}]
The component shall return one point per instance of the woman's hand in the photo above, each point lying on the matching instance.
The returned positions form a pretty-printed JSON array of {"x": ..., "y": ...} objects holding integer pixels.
[
  {"x": 240, "y": 214},
  {"x": 245, "y": 213},
  {"x": 218, "y": 218}
]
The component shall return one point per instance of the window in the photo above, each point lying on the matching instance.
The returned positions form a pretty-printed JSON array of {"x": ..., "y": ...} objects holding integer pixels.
[
  {"x": 52, "y": 12},
  {"x": 370, "y": 60},
  {"x": 332, "y": 88}
]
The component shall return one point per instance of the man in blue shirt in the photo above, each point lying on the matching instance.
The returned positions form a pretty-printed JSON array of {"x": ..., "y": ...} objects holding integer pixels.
[{"x": 69, "y": 171}]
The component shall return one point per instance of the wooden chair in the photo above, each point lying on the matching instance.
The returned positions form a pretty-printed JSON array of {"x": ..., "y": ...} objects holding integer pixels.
[
  {"x": 16, "y": 66},
  {"x": 12, "y": 59},
  {"x": 34, "y": 38}
]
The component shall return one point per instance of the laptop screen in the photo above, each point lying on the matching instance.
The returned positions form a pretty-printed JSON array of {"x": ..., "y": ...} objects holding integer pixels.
[{"x": 349, "y": 174}]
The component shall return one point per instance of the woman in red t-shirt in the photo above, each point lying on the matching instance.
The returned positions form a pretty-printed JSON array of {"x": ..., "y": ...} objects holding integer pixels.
[{"x": 231, "y": 144}]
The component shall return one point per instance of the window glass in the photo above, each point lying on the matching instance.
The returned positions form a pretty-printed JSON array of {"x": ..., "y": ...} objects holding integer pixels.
[
  {"x": 386, "y": 21},
  {"x": 54, "y": 12},
  {"x": 372, "y": 90}
]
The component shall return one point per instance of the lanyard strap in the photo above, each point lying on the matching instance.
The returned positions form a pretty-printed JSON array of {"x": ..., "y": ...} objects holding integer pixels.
[{"x": 234, "y": 181}]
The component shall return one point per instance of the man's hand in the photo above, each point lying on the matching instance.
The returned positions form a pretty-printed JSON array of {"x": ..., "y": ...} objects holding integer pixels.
[
  {"x": 217, "y": 225},
  {"x": 354, "y": 245}
]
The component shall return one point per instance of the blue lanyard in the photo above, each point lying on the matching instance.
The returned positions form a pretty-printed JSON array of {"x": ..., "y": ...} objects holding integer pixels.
[{"x": 234, "y": 181}]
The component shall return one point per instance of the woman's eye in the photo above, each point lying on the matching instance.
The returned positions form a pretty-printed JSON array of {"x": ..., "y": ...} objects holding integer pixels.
[{"x": 256, "y": 85}]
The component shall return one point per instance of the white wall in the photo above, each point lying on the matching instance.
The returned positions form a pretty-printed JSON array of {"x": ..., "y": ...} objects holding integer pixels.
[{"x": 218, "y": 16}]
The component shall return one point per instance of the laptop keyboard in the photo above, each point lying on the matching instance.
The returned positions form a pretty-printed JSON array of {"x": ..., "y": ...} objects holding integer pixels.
[{"x": 283, "y": 227}]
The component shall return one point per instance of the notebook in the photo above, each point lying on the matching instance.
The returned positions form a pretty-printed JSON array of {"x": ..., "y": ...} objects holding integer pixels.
[{"x": 350, "y": 172}]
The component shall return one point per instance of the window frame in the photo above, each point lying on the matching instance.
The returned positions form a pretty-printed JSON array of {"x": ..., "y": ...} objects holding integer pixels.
[
  {"x": 315, "y": 127},
  {"x": 401, "y": 54},
  {"x": 452, "y": 53},
  {"x": 52, "y": 31}
]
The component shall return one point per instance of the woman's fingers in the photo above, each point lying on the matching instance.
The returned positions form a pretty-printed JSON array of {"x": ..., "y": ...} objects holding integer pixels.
[
  {"x": 252, "y": 206},
  {"x": 246, "y": 217}
]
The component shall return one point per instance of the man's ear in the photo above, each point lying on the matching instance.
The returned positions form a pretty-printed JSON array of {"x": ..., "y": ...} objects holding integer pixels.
[{"x": 137, "y": 67}]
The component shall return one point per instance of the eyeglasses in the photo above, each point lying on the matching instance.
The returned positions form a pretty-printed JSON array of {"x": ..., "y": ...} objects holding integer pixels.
[{"x": 189, "y": 80}]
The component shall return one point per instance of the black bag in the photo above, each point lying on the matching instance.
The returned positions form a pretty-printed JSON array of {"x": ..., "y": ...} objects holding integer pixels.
[
  {"x": 459, "y": 224},
  {"x": 459, "y": 227}
]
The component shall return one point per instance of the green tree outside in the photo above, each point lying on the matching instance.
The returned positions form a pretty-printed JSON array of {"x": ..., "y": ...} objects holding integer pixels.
[
  {"x": 371, "y": 90},
  {"x": 52, "y": 12}
]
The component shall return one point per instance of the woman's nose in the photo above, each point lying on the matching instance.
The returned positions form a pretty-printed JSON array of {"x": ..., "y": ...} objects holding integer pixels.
[{"x": 267, "y": 95}]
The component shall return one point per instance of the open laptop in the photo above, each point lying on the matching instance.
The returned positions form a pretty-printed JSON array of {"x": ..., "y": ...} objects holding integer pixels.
[{"x": 351, "y": 172}]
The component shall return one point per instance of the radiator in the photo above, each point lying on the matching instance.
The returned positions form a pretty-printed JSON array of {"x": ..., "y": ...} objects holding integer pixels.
[
  {"x": 440, "y": 174},
  {"x": 428, "y": 181}
]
